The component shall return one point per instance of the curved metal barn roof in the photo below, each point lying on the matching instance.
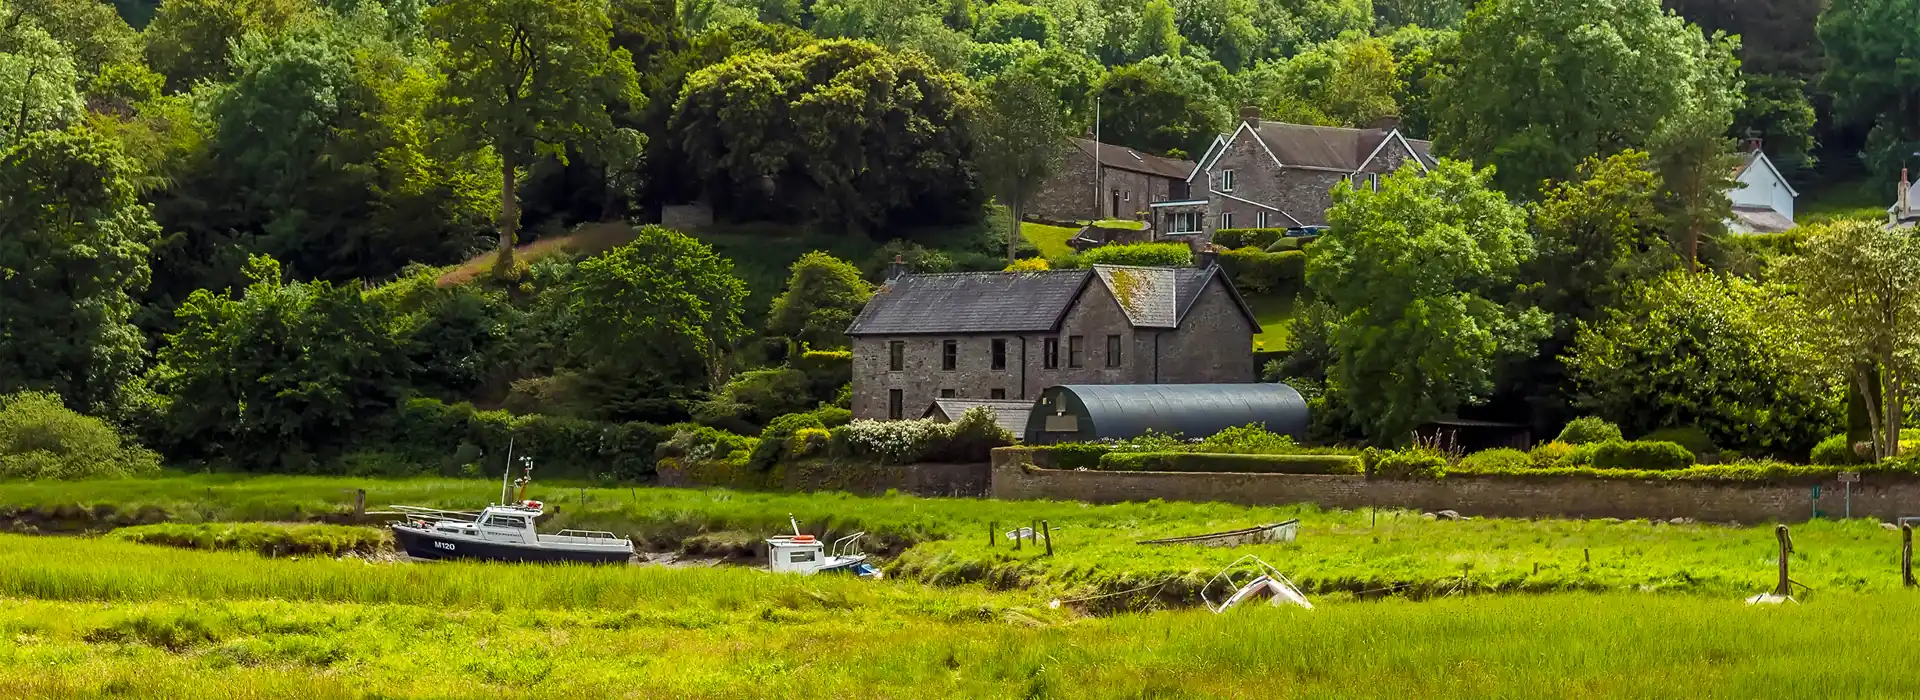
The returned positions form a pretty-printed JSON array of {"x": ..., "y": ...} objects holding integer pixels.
[{"x": 1194, "y": 410}]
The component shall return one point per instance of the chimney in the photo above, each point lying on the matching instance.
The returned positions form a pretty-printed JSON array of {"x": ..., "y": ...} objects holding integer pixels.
[
  {"x": 1751, "y": 144},
  {"x": 1387, "y": 122},
  {"x": 897, "y": 268},
  {"x": 1250, "y": 115},
  {"x": 1206, "y": 258},
  {"x": 1903, "y": 203}
]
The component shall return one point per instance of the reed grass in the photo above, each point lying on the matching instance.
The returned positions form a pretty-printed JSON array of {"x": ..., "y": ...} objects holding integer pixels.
[{"x": 267, "y": 539}]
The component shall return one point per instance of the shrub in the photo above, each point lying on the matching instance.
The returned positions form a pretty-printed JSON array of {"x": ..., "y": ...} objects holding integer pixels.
[
  {"x": 773, "y": 439},
  {"x": 1028, "y": 265},
  {"x": 1836, "y": 451},
  {"x": 1229, "y": 463},
  {"x": 1588, "y": 429},
  {"x": 808, "y": 442},
  {"x": 826, "y": 372},
  {"x": 1284, "y": 244},
  {"x": 1251, "y": 439},
  {"x": 1641, "y": 454},
  {"x": 1232, "y": 238},
  {"x": 970, "y": 439},
  {"x": 833, "y": 416},
  {"x": 751, "y": 399},
  {"x": 1496, "y": 461},
  {"x": 1256, "y": 270},
  {"x": 40, "y": 438},
  {"x": 1140, "y": 254},
  {"x": 447, "y": 438},
  {"x": 700, "y": 443},
  {"x": 1076, "y": 455},
  {"x": 1408, "y": 463},
  {"x": 1548, "y": 455},
  {"x": 1690, "y": 437}
]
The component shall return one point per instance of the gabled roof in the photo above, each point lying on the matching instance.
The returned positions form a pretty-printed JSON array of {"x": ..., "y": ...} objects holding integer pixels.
[
  {"x": 1762, "y": 219},
  {"x": 1123, "y": 158},
  {"x": 1758, "y": 157},
  {"x": 1010, "y": 414},
  {"x": 960, "y": 303},
  {"x": 1331, "y": 147}
]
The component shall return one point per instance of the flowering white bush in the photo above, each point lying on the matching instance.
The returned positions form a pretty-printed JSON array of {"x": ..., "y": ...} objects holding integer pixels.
[{"x": 894, "y": 441}]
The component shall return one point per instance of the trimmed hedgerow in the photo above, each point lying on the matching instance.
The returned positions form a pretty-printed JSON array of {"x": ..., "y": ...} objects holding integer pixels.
[
  {"x": 1690, "y": 437},
  {"x": 1502, "y": 460},
  {"x": 1229, "y": 463},
  {"x": 1589, "y": 429},
  {"x": 1642, "y": 454},
  {"x": 1256, "y": 270},
  {"x": 1407, "y": 463}
]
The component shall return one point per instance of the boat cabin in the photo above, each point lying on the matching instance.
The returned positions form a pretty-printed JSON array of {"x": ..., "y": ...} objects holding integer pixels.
[{"x": 798, "y": 553}]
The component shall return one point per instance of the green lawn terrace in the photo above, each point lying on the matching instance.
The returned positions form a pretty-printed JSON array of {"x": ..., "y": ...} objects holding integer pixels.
[{"x": 1339, "y": 555}]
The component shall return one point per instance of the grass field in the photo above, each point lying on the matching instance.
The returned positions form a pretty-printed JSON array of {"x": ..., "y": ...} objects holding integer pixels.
[
  {"x": 1340, "y": 554},
  {"x": 1051, "y": 240},
  {"x": 1275, "y": 314},
  {"x": 94, "y": 618}
]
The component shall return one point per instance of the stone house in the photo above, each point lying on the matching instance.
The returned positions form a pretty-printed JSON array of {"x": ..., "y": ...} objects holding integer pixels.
[
  {"x": 1762, "y": 199},
  {"x": 1008, "y": 335},
  {"x": 1124, "y": 184},
  {"x": 1276, "y": 175}
]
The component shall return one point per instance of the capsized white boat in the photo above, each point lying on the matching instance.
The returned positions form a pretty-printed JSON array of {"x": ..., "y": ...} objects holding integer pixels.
[{"x": 1251, "y": 578}]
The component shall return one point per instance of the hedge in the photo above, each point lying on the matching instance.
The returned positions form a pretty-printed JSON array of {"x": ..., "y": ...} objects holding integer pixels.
[
  {"x": 1140, "y": 254},
  {"x": 443, "y": 438},
  {"x": 1227, "y": 463},
  {"x": 1747, "y": 471},
  {"x": 1232, "y": 238},
  {"x": 1262, "y": 272},
  {"x": 1642, "y": 454}
]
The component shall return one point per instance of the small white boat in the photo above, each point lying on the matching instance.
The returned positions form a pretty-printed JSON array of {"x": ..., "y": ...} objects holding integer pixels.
[
  {"x": 805, "y": 554},
  {"x": 1251, "y": 578}
]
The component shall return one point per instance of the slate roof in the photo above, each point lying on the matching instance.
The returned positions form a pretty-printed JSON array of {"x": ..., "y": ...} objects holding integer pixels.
[
  {"x": 1123, "y": 158},
  {"x": 1010, "y": 414},
  {"x": 959, "y": 303},
  {"x": 1762, "y": 219},
  {"x": 1338, "y": 148}
]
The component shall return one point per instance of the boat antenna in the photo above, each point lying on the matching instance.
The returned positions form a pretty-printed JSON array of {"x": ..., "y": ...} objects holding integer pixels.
[
  {"x": 794, "y": 523},
  {"x": 526, "y": 478},
  {"x": 508, "y": 474}
]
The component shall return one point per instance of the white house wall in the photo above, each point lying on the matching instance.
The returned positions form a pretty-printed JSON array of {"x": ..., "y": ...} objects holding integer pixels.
[{"x": 1763, "y": 189}]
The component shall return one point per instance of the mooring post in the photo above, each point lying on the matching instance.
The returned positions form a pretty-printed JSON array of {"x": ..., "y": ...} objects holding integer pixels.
[
  {"x": 1588, "y": 553},
  {"x": 1786, "y": 547},
  {"x": 359, "y": 501},
  {"x": 1017, "y": 539},
  {"x": 1034, "y": 532},
  {"x": 1047, "y": 530},
  {"x": 993, "y": 532},
  {"x": 1906, "y": 555}
]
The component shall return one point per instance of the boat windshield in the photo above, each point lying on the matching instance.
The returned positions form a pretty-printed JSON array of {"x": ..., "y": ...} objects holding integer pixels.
[{"x": 507, "y": 521}]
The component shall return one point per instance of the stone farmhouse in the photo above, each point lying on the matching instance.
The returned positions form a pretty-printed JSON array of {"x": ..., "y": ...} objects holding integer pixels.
[
  {"x": 1104, "y": 181},
  {"x": 1276, "y": 175},
  {"x": 1001, "y": 336}
]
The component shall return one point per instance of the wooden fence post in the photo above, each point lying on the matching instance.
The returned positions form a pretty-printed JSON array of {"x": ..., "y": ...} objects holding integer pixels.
[
  {"x": 1047, "y": 530},
  {"x": 359, "y": 501},
  {"x": 1906, "y": 555},
  {"x": 1786, "y": 547},
  {"x": 993, "y": 532}
]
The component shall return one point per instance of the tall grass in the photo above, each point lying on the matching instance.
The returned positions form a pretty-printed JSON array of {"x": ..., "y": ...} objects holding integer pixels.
[{"x": 269, "y": 539}]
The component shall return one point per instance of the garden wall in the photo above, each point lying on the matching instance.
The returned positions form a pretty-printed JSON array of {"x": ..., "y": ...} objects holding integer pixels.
[
  {"x": 960, "y": 480},
  {"x": 1015, "y": 476}
]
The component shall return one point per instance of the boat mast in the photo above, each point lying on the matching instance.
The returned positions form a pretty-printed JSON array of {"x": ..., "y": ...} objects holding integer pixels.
[
  {"x": 794, "y": 523},
  {"x": 506, "y": 474}
]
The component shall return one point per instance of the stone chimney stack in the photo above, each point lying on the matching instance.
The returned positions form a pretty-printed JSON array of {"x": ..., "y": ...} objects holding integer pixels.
[
  {"x": 1903, "y": 202},
  {"x": 1751, "y": 144},
  {"x": 896, "y": 269},
  {"x": 1250, "y": 115},
  {"x": 1387, "y": 123}
]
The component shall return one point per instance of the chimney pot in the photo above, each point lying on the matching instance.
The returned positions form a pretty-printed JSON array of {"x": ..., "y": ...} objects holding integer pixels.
[{"x": 897, "y": 268}]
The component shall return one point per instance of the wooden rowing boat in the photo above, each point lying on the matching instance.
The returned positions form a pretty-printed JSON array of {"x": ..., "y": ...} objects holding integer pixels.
[{"x": 1284, "y": 531}]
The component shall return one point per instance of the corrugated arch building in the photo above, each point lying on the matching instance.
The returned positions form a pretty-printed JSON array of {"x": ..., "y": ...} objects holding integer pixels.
[{"x": 1083, "y": 412}]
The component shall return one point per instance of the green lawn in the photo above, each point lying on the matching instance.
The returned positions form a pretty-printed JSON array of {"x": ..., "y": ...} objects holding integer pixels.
[
  {"x": 1051, "y": 240},
  {"x": 1275, "y": 313}
]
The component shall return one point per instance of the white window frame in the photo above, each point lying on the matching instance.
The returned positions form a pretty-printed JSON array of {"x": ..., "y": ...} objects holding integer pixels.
[
  {"x": 1226, "y": 219},
  {"x": 1226, "y": 180},
  {"x": 1263, "y": 219}
]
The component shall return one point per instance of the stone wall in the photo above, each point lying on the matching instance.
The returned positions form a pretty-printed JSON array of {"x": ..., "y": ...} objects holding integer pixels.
[
  {"x": 1885, "y": 497},
  {"x": 948, "y": 480}
]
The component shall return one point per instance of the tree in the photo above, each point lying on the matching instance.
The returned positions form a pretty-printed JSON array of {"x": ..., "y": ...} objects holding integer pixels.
[
  {"x": 1776, "y": 111},
  {"x": 533, "y": 76},
  {"x": 1161, "y": 105},
  {"x": 835, "y": 133},
  {"x": 1860, "y": 283},
  {"x": 823, "y": 295},
  {"x": 1715, "y": 352},
  {"x": 1159, "y": 36},
  {"x": 71, "y": 256},
  {"x": 1350, "y": 82},
  {"x": 37, "y": 79},
  {"x": 192, "y": 40},
  {"x": 93, "y": 34},
  {"x": 1022, "y": 138},
  {"x": 664, "y": 302},
  {"x": 1417, "y": 274},
  {"x": 1538, "y": 85},
  {"x": 1431, "y": 14},
  {"x": 1871, "y": 45},
  {"x": 279, "y": 377}
]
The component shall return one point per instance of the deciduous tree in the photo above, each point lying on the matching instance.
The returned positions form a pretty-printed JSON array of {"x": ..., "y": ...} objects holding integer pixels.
[
  {"x": 823, "y": 295},
  {"x": 1873, "y": 75},
  {"x": 528, "y": 77},
  {"x": 37, "y": 81},
  {"x": 1419, "y": 275},
  {"x": 1022, "y": 137},
  {"x": 1861, "y": 285},
  {"x": 664, "y": 302}
]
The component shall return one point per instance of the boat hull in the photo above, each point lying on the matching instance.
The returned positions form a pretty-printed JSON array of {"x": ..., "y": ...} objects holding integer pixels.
[{"x": 423, "y": 545}]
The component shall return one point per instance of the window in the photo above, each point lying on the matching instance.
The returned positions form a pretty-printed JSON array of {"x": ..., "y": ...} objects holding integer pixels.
[
  {"x": 1226, "y": 180},
  {"x": 1373, "y": 181},
  {"x": 997, "y": 393},
  {"x": 1185, "y": 222},
  {"x": 999, "y": 353},
  {"x": 949, "y": 355},
  {"x": 896, "y": 356},
  {"x": 1263, "y": 219},
  {"x": 1050, "y": 355},
  {"x": 507, "y": 521},
  {"x": 800, "y": 556},
  {"x": 1126, "y": 196},
  {"x": 1076, "y": 347},
  {"x": 946, "y": 393},
  {"x": 1226, "y": 219},
  {"x": 1113, "y": 351},
  {"x": 894, "y": 404}
]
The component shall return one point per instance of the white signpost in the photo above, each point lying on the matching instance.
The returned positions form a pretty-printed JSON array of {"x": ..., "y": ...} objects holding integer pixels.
[{"x": 1849, "y": 478}]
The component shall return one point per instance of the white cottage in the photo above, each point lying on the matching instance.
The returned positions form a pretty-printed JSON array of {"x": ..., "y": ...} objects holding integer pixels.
[{"x": 1762, "y": 199}]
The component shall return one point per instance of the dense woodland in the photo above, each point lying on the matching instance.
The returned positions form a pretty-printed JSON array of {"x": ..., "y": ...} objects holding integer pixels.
[{"x": 236, "y": 229}]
